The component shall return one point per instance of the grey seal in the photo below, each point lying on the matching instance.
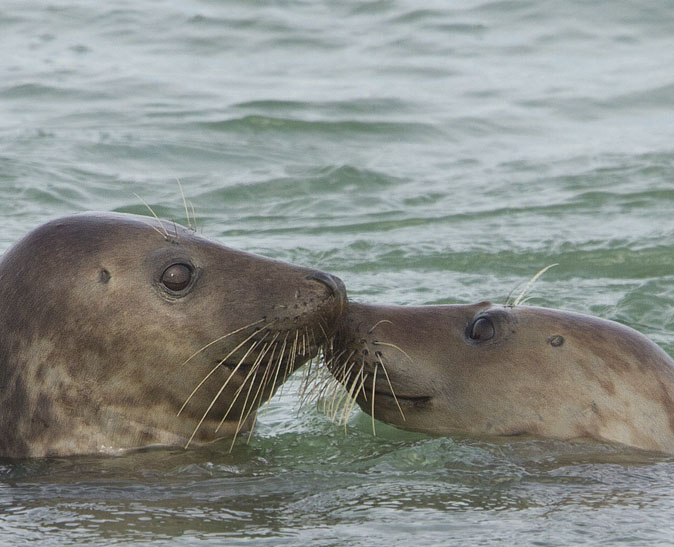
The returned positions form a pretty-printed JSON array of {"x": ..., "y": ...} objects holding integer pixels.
[
  {"x": 121, "y": 331},
  {"x": 484, "y": 369}
]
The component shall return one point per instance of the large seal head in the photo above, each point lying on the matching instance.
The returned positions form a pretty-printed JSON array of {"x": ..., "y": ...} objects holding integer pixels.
[
  {"x": 492, "y": 370},
  {"x": 120, "y": 331}
]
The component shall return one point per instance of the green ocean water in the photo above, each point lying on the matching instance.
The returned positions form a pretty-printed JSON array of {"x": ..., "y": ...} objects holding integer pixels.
[{"x": 429, "y": 154}]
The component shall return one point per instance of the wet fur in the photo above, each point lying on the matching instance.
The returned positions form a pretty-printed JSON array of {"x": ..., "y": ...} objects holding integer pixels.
[
  {"x": 95, "y": 355},
  {"x": 545, "y": 373}
]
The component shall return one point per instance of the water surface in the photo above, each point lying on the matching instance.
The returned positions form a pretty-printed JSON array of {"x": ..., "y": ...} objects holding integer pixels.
[{"x": 435, "y": 154}]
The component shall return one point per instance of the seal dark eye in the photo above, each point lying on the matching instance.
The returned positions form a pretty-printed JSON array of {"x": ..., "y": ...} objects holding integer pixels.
[
  {"x": 177, "y": 277},
  {"x": 482, "y": 329}
]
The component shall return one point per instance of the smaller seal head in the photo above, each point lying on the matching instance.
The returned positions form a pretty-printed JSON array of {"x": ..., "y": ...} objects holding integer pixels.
[{"x": 491, "y": 370}]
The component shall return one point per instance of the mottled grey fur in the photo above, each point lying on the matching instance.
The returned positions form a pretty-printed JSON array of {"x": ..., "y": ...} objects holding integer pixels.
[{"x": 93, "y": 346}]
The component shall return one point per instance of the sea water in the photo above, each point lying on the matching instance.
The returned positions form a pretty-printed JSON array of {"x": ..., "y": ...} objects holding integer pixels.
[{"x": 441, "y": 152}]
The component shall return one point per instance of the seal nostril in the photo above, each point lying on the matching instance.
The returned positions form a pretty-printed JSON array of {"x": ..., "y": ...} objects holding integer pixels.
[{"x": 330, "y": 281}]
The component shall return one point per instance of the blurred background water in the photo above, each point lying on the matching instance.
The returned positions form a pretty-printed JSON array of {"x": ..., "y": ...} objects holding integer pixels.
[{"x": 429, "y": 154}]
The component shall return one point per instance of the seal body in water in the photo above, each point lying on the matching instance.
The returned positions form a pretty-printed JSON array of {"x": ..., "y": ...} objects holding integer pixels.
[
  {"x": 120, "y": 331},
  {"x": 492, "y": 370}
]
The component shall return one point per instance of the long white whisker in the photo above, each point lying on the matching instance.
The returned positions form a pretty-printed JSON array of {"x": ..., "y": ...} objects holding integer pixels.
[
  {"x": 530, "y": 284},
  {"x": 222, "y": 388},
  {"x": 391, "y": 388},
  {"x": 182, "y": 194},
  {"x": 223, "y": 337},
  {"x": 379, "y": 323},
  {"x": 216, "y": 366},
  {"x": 374, "y": 383},
  {"x": 394, "y": 347},
  {"x": 165, "y": 234}
]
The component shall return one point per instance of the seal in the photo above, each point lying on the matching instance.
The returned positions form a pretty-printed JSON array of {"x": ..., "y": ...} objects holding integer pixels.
[
  {"x": 121, "y": 331},
  {"x": 483, "y": 369}
]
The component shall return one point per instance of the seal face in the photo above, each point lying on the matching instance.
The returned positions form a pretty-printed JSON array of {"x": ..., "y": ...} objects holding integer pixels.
[
  {"x": 491, "y": 370},
  {"x": 119, "y": 331}
]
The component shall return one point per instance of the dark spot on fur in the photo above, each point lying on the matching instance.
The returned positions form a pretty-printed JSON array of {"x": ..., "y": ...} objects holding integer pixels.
[
  {"x": 556, "y": 340},
  {"x": 104, "y": 276}
]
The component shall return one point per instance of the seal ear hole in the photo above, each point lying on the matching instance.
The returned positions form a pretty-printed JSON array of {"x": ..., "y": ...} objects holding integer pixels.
[
  {"x": 482, "y": 329},
  {"x": 177, "y": 277},
  {"x": 104, "y": 276}
]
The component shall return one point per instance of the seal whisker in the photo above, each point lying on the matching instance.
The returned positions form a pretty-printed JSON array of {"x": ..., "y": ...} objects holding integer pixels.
[
  {"x": 246, "y": 410},
  {"x": 291, "y": 360},
  {"x": 338, "y": 393},
  {"x": 311, "y": 373},
  {"x": 267, "y": 376},
  {"x": 250, "y": 408},
  {"x": 530, "y": 284},
  {"x": 379, "y": 323},
  {"x": 225, "y": 336},
  {"x": 262, "y": 384},
  {"x": 390, "y": 385},
  {"x": 222, "y": 388},
  {"x": 374, "y": 383},
  {"x": 340, "y": 396},
  {"x": 361, "y": 387},
  {"x": 311, "y": 385},
  {"x": 507, "y": 302},
  {"x": 165, "y": 234},
  {"x": 334, "y": 405},
  {"x": 241, "y": 419},
  {"x": 272, "y": 366},
  {"x": 162, "y": 234},
  {"x": 353, "y": 393},
  {"x": 305, "y": 336},
  {"x": 187, "y": 213},
  {"x": 314, "y": 341},
  {"x": 325, "y": 334},
  {"x": 343, "y": 403},
  {"x": 244, "y": 415},
  {"x": 344, "y": 392},
  {"x": 377, "y": 343},
  {"x": 194, "y": 216},
  {"x": 279, "y": 360},
  {"x": 316, "y": 384},
  {"x": 309, "y": 370},
  {"x": 313, "y": 382},
  {"x": 219, "y": 364},
  {"x": 251, "y": 373}
]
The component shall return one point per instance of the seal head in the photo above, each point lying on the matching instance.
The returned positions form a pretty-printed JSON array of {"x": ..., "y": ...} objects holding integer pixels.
[
  {"x": 119, "y": 331},
  {"x": 492, "y": 370}
]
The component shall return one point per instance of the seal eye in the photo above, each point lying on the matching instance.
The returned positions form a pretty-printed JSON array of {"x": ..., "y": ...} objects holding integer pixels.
[
  {"x": 482, "y": 329},
  {"x": 177, "y": 277}
]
